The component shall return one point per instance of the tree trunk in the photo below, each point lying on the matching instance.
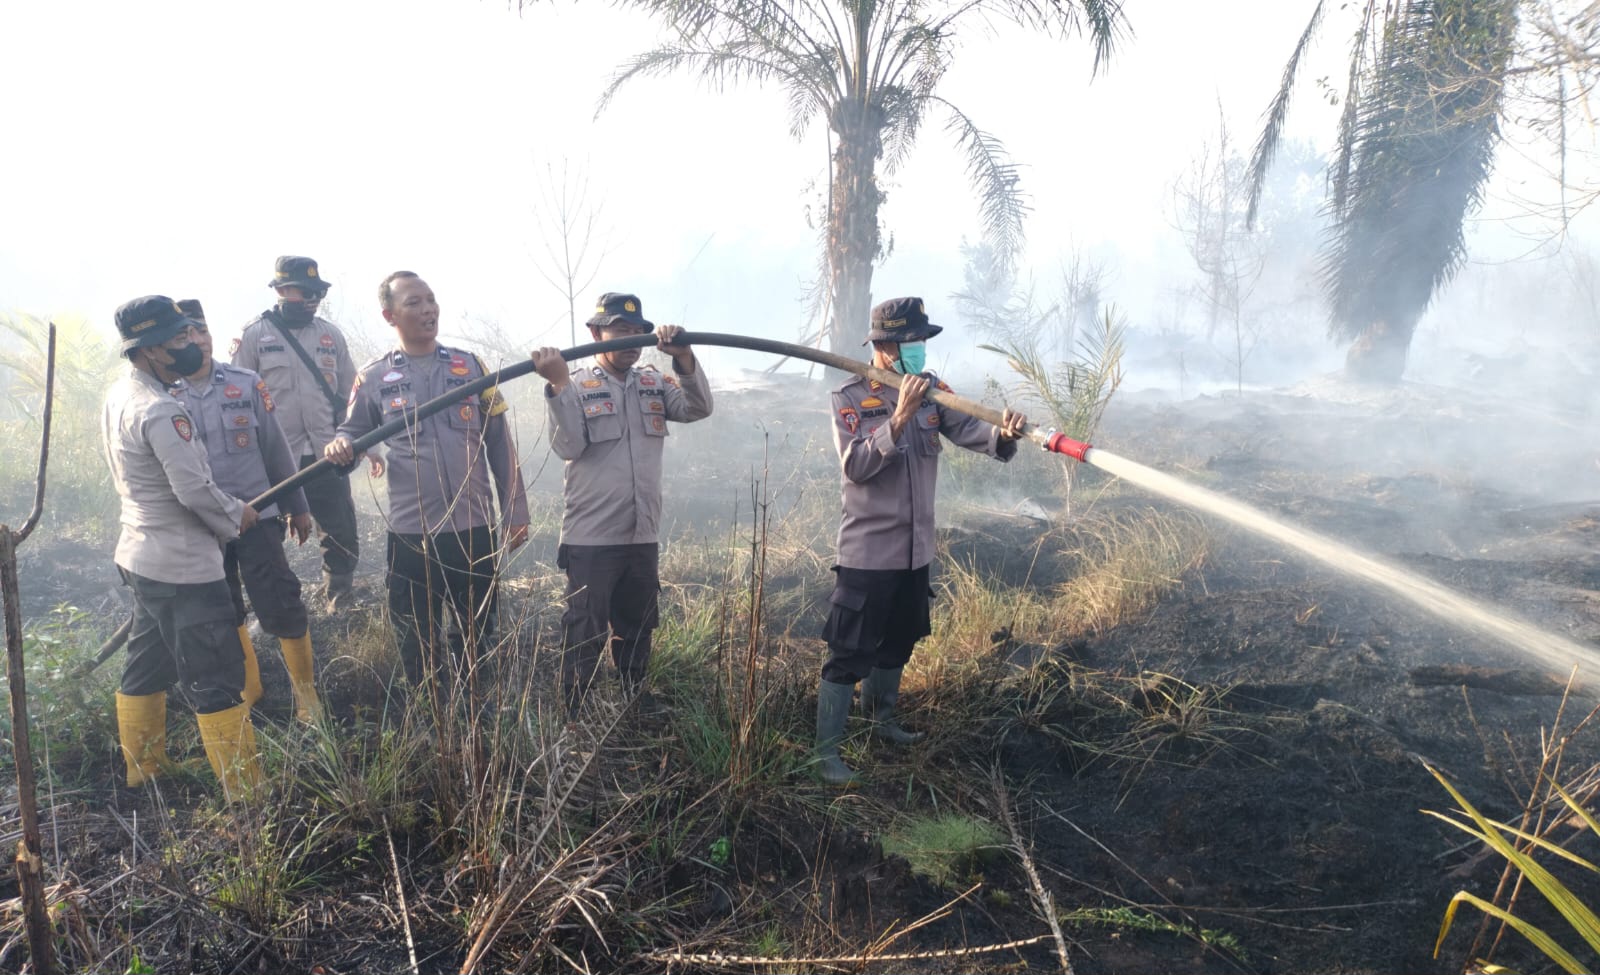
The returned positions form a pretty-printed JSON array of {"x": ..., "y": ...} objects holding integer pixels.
[
  {"x": 1378, "y": 354},
  {"x": 854, "y": 241}
]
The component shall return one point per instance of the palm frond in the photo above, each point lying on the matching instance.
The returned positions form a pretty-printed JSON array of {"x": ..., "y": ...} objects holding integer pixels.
[
  {"x": 1277, "y": 113},
  {"x": 1001, "y": 204}
]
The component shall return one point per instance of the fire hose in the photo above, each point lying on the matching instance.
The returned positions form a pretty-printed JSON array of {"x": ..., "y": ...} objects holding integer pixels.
[{"x": 1049, "y": 440}]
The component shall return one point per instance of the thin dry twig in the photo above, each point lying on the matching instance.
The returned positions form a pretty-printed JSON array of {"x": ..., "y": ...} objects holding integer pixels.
[
  {"x": 717, "y": 958},
  {"x": 1042, "y": 901},
  {"x": 400, "y": 892}
]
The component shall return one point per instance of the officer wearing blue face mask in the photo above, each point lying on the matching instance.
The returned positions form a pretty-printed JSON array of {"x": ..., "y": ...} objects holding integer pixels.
[{"x": 889, "y": 445}]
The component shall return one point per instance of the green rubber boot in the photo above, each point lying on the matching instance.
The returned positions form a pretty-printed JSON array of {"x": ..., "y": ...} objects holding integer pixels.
[
  {"x": 879, "y": 693},
  {"x": 833, "y": 709}
]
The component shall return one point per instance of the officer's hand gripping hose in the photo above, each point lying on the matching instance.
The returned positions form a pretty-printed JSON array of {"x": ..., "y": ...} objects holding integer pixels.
[{"x": 1049, "y": 440}]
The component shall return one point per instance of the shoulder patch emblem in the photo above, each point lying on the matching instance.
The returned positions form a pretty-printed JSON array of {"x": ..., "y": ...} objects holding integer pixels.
[
  {"x": 670, "y": 380},
  {"x": 184, "y": 428},
  {"x": 266, "y": 397},
  {"x": 850, "y": 418},
  {"x": 870, "y": 402},
  {"x": 233, "y": 347}
]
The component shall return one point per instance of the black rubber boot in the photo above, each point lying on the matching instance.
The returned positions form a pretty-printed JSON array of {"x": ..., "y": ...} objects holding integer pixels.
[
  {"x": 879, "y": 693},
  {"x": 833, "y": 709}
]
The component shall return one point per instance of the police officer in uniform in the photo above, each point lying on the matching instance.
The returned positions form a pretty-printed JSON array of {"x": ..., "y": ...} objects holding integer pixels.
[
  {"x": 889, "y": 445},
  {"x": 175, "y": 521},
  {"x": 609, "y": 423},
  {"x": 442, "y": 513},
  {"x": 306, "y": 363},
  {"x": 235, "y": 417}
]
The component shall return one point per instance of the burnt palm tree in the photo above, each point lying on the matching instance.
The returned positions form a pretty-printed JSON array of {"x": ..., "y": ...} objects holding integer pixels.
[
  {"x": 871, "y": 70},
  {"x": 1415, "y": 148}
]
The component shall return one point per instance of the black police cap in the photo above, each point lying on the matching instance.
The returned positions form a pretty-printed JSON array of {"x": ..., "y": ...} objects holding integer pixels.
[
  {"x": 298, "y": 272},
  {"x": 901, "y": 320},
  {"x": 149, "y": 321},
  {"x": 615, "y": 306},
  {"x": 191, "y": 307}
]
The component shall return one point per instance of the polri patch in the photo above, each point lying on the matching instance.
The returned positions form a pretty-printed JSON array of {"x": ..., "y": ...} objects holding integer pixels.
[
  {"x": 850, "y": 418},
  {"x": 184, "y": 427},
  {"x": 241, "y": 439},
  {"x": 465, "y": 413},
  {"x": 658, "y": 424}
]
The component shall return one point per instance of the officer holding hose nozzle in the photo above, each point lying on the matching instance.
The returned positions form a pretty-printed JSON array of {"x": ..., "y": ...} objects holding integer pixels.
[
  {"x": 889, "y": 446},
  {"x": 236, "y": 419},
  {"x": 174, "y": 522}
]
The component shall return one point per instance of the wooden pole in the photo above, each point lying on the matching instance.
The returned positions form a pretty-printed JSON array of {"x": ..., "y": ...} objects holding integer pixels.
[{"x": 30, "y": 861}]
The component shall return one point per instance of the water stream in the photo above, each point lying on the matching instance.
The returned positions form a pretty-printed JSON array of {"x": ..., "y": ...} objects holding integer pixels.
[{"x": 1450, "y": 606}]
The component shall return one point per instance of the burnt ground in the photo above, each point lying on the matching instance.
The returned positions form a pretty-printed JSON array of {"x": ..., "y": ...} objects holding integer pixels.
[{"x": 1283, "y": 807}]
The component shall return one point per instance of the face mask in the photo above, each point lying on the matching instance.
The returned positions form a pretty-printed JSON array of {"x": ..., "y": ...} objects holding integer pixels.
[
  {"x": 913, "y": 357},
  {"x": 187, "y": 359},
  {"x": 296, "y": 312}
]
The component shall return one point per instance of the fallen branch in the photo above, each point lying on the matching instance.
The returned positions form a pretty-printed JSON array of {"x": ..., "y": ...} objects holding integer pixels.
[{"x": 717, "y": 958}]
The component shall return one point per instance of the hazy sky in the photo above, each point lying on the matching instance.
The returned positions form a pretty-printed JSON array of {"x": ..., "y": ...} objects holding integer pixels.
[{"x": 177, "y": 147}]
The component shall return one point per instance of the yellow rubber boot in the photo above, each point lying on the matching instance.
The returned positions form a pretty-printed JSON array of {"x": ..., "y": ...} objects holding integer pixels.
[
  {"x": 302, "y": 678},
  {"x": 142, "y": 726},
  {"x": 252, "y": 670},
  {"x": 230, "y": 741}
]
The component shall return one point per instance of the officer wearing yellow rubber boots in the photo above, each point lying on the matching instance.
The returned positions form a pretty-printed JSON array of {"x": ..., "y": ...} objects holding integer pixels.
[
  {"x": 235, "y": 417},
  {"x": 889, "y": 445},
  {"x": 174, "y": 522}
]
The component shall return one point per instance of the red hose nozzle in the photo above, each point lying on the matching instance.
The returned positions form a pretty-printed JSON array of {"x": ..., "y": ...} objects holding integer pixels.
[{"x": 1060, "y": 443}]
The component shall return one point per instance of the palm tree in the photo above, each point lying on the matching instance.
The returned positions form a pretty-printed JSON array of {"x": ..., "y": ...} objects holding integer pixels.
[
  {"x": 1415, "y": 148},
  {"x": 871, "y": 69}
]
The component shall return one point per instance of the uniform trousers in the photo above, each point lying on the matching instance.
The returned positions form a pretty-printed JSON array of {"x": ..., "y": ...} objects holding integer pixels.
[
  {"x": 611, "y": 602},
  {"x": 424, "y": 570},
  {"x": 255, "y": 563},
  {"x": 184, "y": 634},
  {"x": 335, "y": 512},
  {"x": 875, "y": 618}
]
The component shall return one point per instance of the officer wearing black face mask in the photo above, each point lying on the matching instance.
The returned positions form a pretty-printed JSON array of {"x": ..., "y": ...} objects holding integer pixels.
[
  {"x": 305, "y": 362},
  {"x": 174, "y": 522}
]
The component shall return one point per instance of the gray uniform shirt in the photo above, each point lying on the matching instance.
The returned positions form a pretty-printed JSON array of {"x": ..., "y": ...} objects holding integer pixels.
[
  {"x": 235, "y": 417},
  {"x": 888, "y": 485},
  {"x": 611, "y": 432},
  {"x": 304, "y": 412},
  {"x": 439, "y": 469},
  {"x": 174, "y": 517}
]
